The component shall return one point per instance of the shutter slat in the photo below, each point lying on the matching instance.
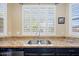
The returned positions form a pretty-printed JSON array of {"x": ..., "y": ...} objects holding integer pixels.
[{"x": 75, "y": 18}]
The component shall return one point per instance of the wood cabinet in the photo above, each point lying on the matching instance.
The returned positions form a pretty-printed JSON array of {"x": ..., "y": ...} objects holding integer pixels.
[{"x": 39, "y": 51}]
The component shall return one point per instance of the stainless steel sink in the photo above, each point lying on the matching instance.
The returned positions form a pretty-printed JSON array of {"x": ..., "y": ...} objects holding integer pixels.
[{"x": 39, "y": 42}]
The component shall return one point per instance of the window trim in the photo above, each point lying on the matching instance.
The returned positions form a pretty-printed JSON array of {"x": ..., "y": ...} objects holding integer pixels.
[
  {"x": 54, "y": 33},
  {"x": 5, "y": 24}
]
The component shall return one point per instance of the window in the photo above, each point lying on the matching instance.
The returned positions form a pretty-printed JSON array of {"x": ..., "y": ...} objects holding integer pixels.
[
  {"x": 3, "y": 18},
  {"x": 38, "y": 19},
  {"x": 74, "y": 16}
]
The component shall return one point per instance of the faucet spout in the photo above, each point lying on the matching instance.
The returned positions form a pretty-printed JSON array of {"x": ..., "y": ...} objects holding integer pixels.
[{"x": 39, "y": 42}]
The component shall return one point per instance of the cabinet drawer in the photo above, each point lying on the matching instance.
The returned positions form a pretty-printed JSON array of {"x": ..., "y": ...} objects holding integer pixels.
[
  {"x": 39, "y": 54},
  {"x": 4, "y": 50},
  {"x": 17, "y": 53},
  {"x": 67, "y": 54},
  {"x": 67, "y": 49},
  {"x": 17, "y": 49},
  {"x": 5, "y": 53},
  {"x": 39, "y": 50}
]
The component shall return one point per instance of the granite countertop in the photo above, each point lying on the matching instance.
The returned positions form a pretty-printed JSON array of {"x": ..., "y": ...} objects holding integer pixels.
[{"x": 21, "y": 43}]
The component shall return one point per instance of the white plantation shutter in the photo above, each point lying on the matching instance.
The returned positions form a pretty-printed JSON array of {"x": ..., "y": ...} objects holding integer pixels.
[
  {"x": 3, "y": 18},
  {"x": 38, "y": 19},
  {"x": 75, "y": 18}
]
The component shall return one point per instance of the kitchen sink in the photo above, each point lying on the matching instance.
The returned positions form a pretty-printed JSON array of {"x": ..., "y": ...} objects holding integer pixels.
[{"x": 39, "y": 42}]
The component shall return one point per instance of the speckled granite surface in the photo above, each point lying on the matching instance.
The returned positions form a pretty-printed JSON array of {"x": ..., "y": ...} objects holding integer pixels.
[{"x": 21, "y": 42}]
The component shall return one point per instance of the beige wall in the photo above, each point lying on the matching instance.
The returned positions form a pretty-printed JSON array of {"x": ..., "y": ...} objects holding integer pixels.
[
  {"x": 60, "y": 11},
  {"x": 14, "y": 19}
]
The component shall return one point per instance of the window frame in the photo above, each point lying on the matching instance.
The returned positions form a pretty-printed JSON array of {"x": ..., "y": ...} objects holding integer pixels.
[
  {"x": 4, "y": 22},
  {"x": 70, "y": 22},
  {"x": 54, "y": 33}
]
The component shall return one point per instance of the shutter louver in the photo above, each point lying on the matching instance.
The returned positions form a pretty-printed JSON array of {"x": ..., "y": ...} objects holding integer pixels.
[{"x": 75, "y": 18}]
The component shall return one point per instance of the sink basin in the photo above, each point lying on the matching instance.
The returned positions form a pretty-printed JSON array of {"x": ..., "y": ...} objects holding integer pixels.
[{"x": 39, "y": 42}]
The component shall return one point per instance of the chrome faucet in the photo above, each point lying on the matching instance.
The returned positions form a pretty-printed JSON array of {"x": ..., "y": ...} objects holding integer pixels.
[
  {"x": 39, "y": 42},
  {"x": 38, "y": 33}
]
